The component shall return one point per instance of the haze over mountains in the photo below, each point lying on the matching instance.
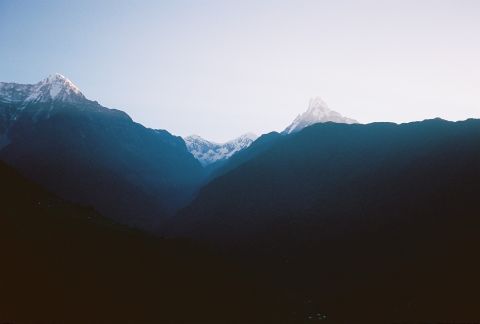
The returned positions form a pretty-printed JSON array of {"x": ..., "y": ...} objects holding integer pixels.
[{"x": 344, "y": 219}]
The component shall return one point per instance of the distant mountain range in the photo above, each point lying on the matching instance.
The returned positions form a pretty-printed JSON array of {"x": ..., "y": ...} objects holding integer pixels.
[
  {"x": 365, "y": 223},
  {"x": 98, "y": 156},
  {"x": 208, "y": 152}
]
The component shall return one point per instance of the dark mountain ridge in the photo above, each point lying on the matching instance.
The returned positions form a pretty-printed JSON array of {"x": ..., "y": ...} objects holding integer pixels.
[
  {"x": 368, "y": 223},
  {"x": 96, "y": 156},
  {"x": 351, "y": 223},
  {"x": 328, "y": 162}
]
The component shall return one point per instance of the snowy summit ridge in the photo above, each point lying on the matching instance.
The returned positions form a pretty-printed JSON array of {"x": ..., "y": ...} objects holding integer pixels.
[
  {"x": 208, "y": 152},
  {"x": 55, "y": 87},
  {"x": 317, "y": 112},
  {"x": 26, "y": 104}
]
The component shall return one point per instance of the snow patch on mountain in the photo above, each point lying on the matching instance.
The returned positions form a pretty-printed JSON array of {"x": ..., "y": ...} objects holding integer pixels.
[
  {"x": 14, "y": 92},
  {"x": 317, "y": 112},
  {"x": 208, "y": 152}
]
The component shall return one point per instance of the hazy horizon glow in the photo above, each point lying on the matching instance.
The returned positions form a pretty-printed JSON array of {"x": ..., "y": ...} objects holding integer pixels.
[{"x": 223, "y": 68}]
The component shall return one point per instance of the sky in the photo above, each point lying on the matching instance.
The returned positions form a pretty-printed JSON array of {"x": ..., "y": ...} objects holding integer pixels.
[{"x": 223, "y": 68}]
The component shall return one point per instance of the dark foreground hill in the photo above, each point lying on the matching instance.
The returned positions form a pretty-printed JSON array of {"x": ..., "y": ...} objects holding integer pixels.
[
  {"x": 61, "y": 263},
  {"x": 367, "y": 223}
]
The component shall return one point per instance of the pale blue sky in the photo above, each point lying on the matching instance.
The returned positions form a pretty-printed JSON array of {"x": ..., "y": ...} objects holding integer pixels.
[{"x": 223, "y": 68}]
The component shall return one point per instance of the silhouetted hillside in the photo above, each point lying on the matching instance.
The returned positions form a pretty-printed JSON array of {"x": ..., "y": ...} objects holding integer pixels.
[
  {"x": 62, "y": 263},
  {"x": 365, "y": 222},
  {"x": 97, "y": 156}
]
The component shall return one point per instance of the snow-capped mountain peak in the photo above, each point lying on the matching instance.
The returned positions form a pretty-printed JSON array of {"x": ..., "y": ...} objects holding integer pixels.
[
  {"x": 55, "y": 87},
  {"x": 208, "y": 152},
  {"x": 317, "y": 107},
  {"x": 317, "y": 112}
]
